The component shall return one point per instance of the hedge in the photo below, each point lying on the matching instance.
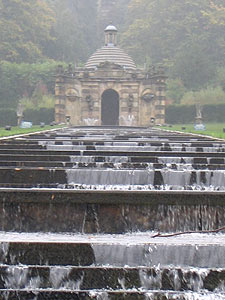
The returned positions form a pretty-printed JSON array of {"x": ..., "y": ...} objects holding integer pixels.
[
  {"x": 186, "y": 113},
  {"x": 174, "y": 114},
  {"x": 9, "y": 117},
  {"x": 35, "y": 116}
]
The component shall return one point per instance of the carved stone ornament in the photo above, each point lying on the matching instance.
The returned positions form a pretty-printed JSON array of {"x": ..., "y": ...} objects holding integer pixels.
[
  {"x": 130, "y": 101},
  {"x": 90, "y": 102},
  {"x": 148, "y": 97},
  {"x": 72, "y": 95},
  {"x": 60, "y": 70},
  {"x": 20, "y": 109},
  {"x": 109, "y": 65}
]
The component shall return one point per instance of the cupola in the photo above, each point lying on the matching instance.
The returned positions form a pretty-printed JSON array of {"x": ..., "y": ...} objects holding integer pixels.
[
  {"x": 110, "y": 52},
  {"x": 111, "y": 35}
]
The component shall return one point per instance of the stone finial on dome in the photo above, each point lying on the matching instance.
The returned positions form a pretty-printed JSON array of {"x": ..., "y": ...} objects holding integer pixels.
[
  {"x": 111, "y": 27},
  {"x": 110, "y": 52},
  {"x": 111, "y": 35}
]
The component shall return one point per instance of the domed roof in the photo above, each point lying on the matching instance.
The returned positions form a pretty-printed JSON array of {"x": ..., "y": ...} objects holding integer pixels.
[
  {"x": 112, "y": 54},
  {"x": 111, "y": 27}
]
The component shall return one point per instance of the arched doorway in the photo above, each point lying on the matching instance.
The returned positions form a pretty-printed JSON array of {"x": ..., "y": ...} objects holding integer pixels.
[{"x": 110, "y": 108}]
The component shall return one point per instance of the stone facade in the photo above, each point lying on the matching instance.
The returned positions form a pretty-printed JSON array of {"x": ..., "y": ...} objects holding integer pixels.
[{"x": 110, "y": 90}]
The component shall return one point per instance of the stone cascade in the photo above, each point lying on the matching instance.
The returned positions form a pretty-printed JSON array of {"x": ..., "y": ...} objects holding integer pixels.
[
  {"x": 112, "y": 213},
  {"x": 86, "y": 160}
]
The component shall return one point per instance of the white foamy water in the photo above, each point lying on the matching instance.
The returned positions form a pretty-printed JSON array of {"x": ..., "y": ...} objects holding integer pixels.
[
  {"x": 172, "y": 179},
  {"x": 109, "y": 177},
  {"x": 174, "y": 160},
  {"x": 123, "y": 239},
  {"x": 188, "y": 296},
  {"x": 128, "y": 146},
  {"x": 138, "y": 249}
]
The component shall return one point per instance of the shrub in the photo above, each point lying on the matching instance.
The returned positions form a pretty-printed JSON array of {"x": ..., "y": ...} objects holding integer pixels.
[
  {"x": 45, "y": 101},
  {"x": 186, "y": 113},
  {"x": 36, "y": 116},
  {"x": 210, "y": 95},
  {"x": 8, "y": 117},
  {"x": 175, "y": 90},
  {"x": 21, "y": 80},
  {"x": 180, "y": 114}
]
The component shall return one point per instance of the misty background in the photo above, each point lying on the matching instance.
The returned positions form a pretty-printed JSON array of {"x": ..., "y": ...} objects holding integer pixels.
[{"x": 185, "y": 36}]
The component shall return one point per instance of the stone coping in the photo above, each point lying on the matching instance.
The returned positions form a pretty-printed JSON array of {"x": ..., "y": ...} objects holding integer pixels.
[
  {"x": 104, "y": 197},
  {"x": 31, "y": 133}
]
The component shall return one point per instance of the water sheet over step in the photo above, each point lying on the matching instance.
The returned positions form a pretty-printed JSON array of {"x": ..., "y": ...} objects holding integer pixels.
[{"x": 93, "y": 213}]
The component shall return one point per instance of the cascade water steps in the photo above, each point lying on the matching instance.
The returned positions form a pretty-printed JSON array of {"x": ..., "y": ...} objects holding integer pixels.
[
  {"x": 74, "y": 142},
  {"x": 13, "y": 152},
  {"x": 109, "y": 165},
  {"x": 76, "y": 278},
  {"x": 31, "y": 209},
  {"x": 159, "y": 179},
  {"x": 91, "y": 184},
  {"x": 48, "y": 270},
  {"x": 108, "y": 294}
]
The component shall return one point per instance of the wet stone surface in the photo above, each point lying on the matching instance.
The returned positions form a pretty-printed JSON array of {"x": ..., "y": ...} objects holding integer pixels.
[
  {"x": 109, "y": 212},
  {"x": 65, "y": 194}
]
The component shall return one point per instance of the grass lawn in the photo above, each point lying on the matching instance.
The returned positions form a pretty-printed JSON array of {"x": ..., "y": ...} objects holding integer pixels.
[
  {"x": 212, "y": 129},
  {"x": 15, "y": 130}
]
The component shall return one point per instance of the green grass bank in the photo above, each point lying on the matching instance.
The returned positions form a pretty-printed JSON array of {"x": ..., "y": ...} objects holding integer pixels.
[
  {"x": 15, "y": 130},
  {"x": 212, "y": 129}
]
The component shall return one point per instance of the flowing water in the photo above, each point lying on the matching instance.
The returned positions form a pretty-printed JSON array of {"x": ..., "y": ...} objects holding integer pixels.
[{"x": 92, "y": 182}]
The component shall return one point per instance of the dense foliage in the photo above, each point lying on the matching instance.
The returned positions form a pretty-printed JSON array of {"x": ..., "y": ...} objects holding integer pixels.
[
  {"x": 25, "y": 29},
  {"x": 25, "y": 81},
  {"x": 33, "y": 30},
  {"x": 74, "y": 30},
  {"x": 186, "y": 36},
  {"x": 42, "y": 115},
  {"x": 8, "y": 117},
  {"x": 185, "y": 114}
]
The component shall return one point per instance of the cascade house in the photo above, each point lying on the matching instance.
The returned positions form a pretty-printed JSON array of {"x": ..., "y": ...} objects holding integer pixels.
[{"x": 110, "y": 90}]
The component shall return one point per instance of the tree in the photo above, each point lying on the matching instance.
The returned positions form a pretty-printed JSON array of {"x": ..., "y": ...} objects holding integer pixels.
[
  {"x": 182, "y": 34},
  {"x": 175, "y": 90},
  {"x": 193, "y": 66},
  {"x": 74, "y": 30},
  {"x": 25, "y": 27},
  {"x": 21, "y": 80},
  {"x": 159, "y": 28}
]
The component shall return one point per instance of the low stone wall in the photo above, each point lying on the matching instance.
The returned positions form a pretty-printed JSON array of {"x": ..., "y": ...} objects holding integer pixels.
[{"x": 109, "y": 212}]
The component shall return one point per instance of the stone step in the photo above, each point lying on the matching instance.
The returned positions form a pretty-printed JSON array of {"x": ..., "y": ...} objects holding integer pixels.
[
  {"x": 95, "y": 211},
  {"x": 111, "y": 278},
  {"x": 107, "y": 142},
  {"x": 21, "y": 146},
  {"x": 91, "y": 258},
  {"x": 26, "y": 141},
  {"x": 23, "y": 157},
  {"x": 107, "y": 295},
  {"x": 201, "y": 251},
  {"x": 167, "y": 179},
  {"x": 137, "y": 135},
  {"x": 12, "y": 152},
  {"x": 39, "y": 143},
  {"x": 110, "y": 165},
  {"x": 58, "y": 164},
  {"x": 32, "y": 176},
  {"x": 129, "y": 148},
  {"x": 116, "y": 159}
]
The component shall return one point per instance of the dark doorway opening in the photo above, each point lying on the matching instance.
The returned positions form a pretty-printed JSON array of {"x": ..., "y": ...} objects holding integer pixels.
[{"x": 110, "y": 108}]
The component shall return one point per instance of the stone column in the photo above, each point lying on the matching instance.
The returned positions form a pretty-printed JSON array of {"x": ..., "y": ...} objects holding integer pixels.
[
  {"x": 160, "y": 99},
  {"x": 60, "y": 96}
]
